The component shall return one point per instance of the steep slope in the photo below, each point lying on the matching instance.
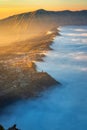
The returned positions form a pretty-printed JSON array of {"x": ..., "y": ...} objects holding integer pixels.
[{"x": 27, "y": 25}]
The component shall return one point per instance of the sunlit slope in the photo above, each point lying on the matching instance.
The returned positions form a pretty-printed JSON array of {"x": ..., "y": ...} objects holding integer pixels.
[{"x": 27, "y": 25}]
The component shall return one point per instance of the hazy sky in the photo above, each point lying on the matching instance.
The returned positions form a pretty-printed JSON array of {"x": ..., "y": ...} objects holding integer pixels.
[{"x": 10, "y": 7}]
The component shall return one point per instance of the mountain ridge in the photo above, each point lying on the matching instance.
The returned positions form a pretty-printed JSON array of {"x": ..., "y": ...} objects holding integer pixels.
[
  {"x": 31, "y": 24},
  {"x": 44, "y": 11}
]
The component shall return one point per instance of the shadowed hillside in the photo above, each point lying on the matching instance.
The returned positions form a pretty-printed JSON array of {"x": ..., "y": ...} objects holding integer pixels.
[
  {"x": 31, "y": 24},
  {"x": 30, "y": 35}
]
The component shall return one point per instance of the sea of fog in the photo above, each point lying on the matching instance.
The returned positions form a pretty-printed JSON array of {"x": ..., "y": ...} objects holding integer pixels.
[{"x": 62, "y": 107}]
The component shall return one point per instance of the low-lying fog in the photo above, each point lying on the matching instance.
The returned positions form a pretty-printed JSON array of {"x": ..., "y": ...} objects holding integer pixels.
[{"x": 64, "y": 107}]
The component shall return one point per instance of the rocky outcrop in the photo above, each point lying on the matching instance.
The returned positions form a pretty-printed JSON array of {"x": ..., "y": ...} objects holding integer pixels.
[{"x": 10, "y": 128}]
